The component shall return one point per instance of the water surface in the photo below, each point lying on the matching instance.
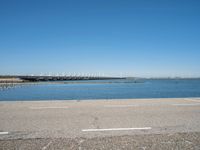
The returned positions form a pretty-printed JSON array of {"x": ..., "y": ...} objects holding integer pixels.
[{"x": 103, "y": 89}]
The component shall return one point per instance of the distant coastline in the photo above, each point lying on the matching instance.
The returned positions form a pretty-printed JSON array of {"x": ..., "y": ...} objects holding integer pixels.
[
  {"x": 28, "y": 79},
  {"x": 23, "y": 79},
  {"x": 11, "y": 80}
]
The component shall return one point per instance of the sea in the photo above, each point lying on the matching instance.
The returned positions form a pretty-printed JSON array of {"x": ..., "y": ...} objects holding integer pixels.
[{"x": 101, "y": 89}]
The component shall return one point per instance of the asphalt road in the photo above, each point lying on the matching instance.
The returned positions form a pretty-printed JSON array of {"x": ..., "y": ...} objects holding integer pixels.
[{"x": 101, "y": 124}]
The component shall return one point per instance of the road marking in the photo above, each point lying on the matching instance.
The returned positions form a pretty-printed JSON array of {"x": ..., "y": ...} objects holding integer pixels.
[
  {"x": 136, "y": 105},
  {"x": 48, "y": 107},
  {"x": 196, "y": 104},
  {"x": 121, "y": 106},
  {"x": 3, "y": 133},
  {"x": 192, "y": 100},
  {"x": 45, "y": 147},
  {"x": 115, "y": 129}
]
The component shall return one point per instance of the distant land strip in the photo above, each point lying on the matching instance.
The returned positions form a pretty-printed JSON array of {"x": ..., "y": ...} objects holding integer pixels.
[
  {"x": 20, "y": 79},
  {"x": 38, "y": 78}
]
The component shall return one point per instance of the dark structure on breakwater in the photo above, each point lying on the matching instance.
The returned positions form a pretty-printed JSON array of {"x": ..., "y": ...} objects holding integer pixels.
[{"x": 59, "y": 78}]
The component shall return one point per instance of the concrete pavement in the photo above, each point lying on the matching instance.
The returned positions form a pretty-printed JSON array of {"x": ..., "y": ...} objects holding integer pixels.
[{"x": 145, "y": 120}]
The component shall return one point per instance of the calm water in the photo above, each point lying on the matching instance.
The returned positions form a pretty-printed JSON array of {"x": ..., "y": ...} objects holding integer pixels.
[{"x": 105, "y": 89}]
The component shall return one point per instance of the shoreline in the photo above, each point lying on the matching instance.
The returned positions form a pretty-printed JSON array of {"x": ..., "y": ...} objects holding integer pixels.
[
  {"x": 102, "y": 100},
  {"x": 11, "y": 80}
]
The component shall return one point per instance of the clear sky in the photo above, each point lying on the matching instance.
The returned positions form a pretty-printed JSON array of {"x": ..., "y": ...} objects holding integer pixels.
[{"x": 143, "y": 38}]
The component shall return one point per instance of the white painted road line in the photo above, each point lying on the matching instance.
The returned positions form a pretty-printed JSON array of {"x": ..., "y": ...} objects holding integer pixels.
[
  {"x": 3, "y": 133},
  {"x": 45, "y": 147},
  {"x": 192, "y": 100},
  {"x": 196, "y": 104},
  {"x": 119, "y": 106},
  {"x": 115, "y": 129},
  {"x": 135, "y": 105},
  {"x": 48, "y": 107}
]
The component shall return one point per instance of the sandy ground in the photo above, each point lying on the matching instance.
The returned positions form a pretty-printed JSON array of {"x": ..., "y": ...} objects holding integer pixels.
[{"x": 10, "y": 80}]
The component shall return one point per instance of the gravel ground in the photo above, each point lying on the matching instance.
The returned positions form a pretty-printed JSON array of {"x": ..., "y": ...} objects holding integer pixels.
[{"x": 176, "y": 141}]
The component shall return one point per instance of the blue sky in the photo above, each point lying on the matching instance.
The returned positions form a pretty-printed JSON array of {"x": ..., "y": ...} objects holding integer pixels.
[{"x": 157, "y": 38}]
